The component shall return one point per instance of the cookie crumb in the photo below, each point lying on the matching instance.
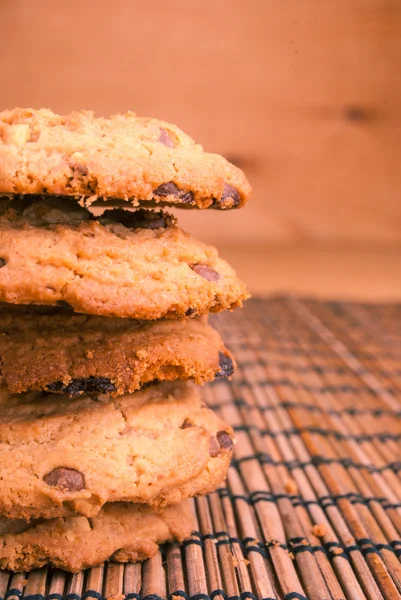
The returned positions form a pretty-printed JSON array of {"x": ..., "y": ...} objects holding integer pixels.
[
  {"x": 89, "y": 354},
  {"x": 319, "y": 530}
]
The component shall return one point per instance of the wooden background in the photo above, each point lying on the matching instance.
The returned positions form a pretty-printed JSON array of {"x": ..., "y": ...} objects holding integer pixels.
[{"x": 303, "y": 94}]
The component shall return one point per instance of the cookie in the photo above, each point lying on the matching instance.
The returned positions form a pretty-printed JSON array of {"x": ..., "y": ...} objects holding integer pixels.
[
  {"x": 55, "y": 350},
  {"x": 125, "y": 264},
  {"x": 158, "y": 446},
  {"x": 137, "y": 160},
  {"x": 121, "y": 531}
]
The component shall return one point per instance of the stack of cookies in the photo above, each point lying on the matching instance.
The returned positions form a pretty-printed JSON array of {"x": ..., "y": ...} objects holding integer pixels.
[{"x": 104, "y": 333}]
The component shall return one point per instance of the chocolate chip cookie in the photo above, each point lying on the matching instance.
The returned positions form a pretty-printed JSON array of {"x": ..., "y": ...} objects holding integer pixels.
[
  {"x": 56, "y": 350},
  {"x": 126, "y": 264},
  {"x": 121, "y": 531},
  {"x": 125, "y": 157},
  {"x": 157, "y": 446}
]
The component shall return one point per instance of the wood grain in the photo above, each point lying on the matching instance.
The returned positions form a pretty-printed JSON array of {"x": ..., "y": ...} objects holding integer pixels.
[
  {"x": 363, "y": 272},
  {"x": 304, "y": 94}
]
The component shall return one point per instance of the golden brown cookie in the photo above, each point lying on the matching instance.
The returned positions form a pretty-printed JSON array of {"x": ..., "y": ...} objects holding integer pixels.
[
  {"x": 50, "y": 349},
  {"x": 138, "y": 160},
  {"x": 126, "y": 264},
  {"x": 121, "y": 531},
  {"x": 158, "y": 446}
]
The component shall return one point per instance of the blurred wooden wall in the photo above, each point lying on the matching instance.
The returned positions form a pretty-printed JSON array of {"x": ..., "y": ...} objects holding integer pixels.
[{"x": 303, "y": 94}]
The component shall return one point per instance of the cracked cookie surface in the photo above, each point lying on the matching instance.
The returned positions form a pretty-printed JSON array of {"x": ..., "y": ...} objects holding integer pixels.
[
  {"x": 121, "y": 531},
  {"x": 50, "y": 349},
  {"x": 125, "y": 157},
  {"x": 126, "y": 264},
  {"x": 157, "y": 446}
]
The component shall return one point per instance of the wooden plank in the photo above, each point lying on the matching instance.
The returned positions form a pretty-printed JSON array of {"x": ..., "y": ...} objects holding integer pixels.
[{"x": 303, "y": 95}]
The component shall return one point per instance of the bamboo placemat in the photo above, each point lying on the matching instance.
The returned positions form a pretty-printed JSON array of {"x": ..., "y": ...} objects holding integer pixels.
[{"x": 312, "y": 507}]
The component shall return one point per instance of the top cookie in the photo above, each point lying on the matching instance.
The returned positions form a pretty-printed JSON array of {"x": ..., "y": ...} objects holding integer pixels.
[{"x": 125, "y": 157}]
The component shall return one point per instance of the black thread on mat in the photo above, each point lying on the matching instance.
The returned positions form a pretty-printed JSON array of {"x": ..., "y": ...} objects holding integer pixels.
[
  {"x": 13, "y": 592},
  {"x": 295, "y": 596},
  {"x": 73, "y": 596},
  {"x": 92, "y": 594},
  {"x": 59, "y": 596},
  {"x": 208, "y": 536},
  {"x": 297, "y": 540},
  {"x": 186, "y": 543},
  {"x": 303, "y": 369},
  {"x": 135, "y": 596},
  {"x": 257, "y": 549},
  {"x": 323, "y": 501},
  {"x": 265, "y": 458},
  {"x": 218, "y": 592},
  {"x": 377, "y": 547},
  {"x": 364, "y": 437},
  {"x": 288, "y": 404},
  {"x": 34, "y": 597},
  {"x": 312, "y": 389},
  {"x": 352, "y": 410}
]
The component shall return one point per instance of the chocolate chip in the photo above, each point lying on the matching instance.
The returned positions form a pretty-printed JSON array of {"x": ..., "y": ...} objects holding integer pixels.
[
  {"x": 138, "y": 219},
  {"x": 186, "y": 197},
  {"x": 206, "y": 272},
  {"x": 67, "y": 479},
  {"x": 2, "y": 262},
  {"x": 165, "y": 139},
  {"x": 190, "y": 312},
  {"x": 187, "y": 423},
  {"x": 224, "y": 440},
  {"x": 230, "y": 192},
  {"x": 170, "y": 189},
  {"x": 167, "y": 189},
  {"x": 85, "y": 385},
  {"x": 214, "y": 446},
  {"x": 226, "y": 366},
  {"x": 80, "y": 170}
]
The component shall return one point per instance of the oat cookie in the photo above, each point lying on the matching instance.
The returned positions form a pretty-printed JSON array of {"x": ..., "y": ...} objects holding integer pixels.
[
  {"x": 121, "y": 531},
  {"x": 126, "y": 264},
  {"x": 50, "y": 349},
  {"x": 134, "y": 159},
  {"x": 158, "y": 446}
]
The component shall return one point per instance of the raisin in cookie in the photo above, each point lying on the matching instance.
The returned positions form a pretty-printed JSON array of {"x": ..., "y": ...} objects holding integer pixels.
[
  {"x": 121, "y": 531},
  {"x": 125, "y": 264},
  {"x": 138, "y": 160},
  {"x": 55, "y": 350},
  {"x": 158, "y": 446}
]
